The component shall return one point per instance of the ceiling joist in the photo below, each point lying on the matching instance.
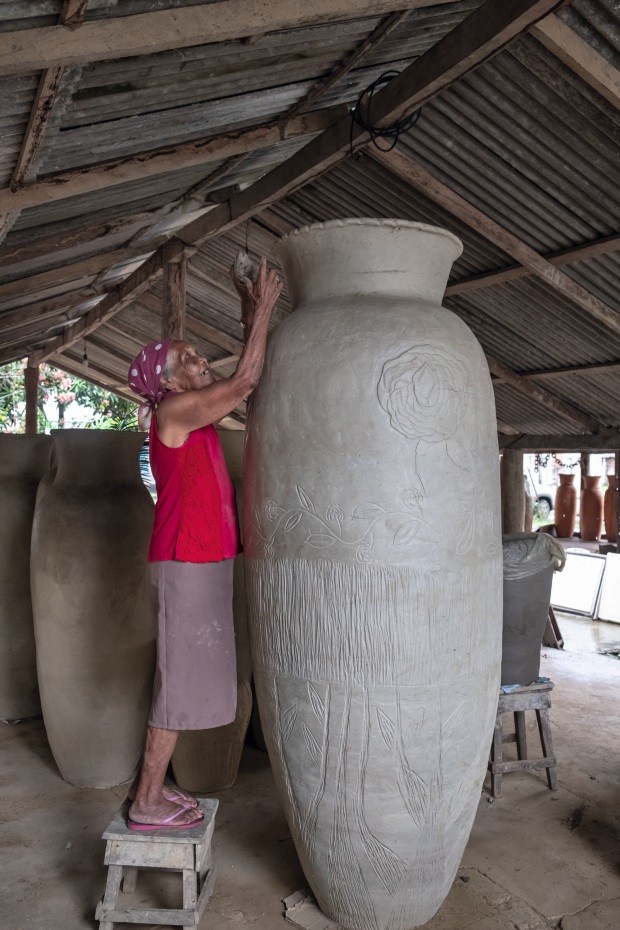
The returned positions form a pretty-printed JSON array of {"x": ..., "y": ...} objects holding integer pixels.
[{"x": 147, "y": 33}]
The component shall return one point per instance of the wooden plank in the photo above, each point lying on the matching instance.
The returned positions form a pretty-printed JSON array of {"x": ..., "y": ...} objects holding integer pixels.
[
  {"x": 15, "y": 319},
  {"x": 607, "y": 441},
  {"x": 161, "y": 161},
  {"x": 513, "y": 491},
  {"x": 173, "y": 304},
  {"x": 40, "y": 113},
  {"x": 147, "y": 33},
  {"x": 113, "y": 303},
  {"x": 580, "y": 57},
  {"x": 470, "y": 43},
  {"x": 571, "y": 370},
  {"x": 385, "y": 28},
  {"x": 420, "y": 178},
  {"x": 73, "y": 12},
  {"x": 85, "y": 268},
  {"x": 542, "y": 396},
  {"x": 579, "y": 253}
]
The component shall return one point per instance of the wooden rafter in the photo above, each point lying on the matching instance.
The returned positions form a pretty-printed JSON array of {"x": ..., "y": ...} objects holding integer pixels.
[
  {"x": 412, "y": 172},
  {"x": 385, "y": 28},
  {"x": 569, "y": 370},
  {"x": 542, "y": 396},
  {"x": 470, "y": 43},
  {"x": 161, "y": 161},
  {"x": 85, "y": 268},
  {"x": 580, "y": 57},
  {"x": 147, "y": 33},
  {"x": 598, "y": 442},
  {"x": 578, "y": 253}
]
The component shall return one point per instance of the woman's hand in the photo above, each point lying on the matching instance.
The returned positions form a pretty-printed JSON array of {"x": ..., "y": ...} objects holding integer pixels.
[{"x": 259, "y": 298}]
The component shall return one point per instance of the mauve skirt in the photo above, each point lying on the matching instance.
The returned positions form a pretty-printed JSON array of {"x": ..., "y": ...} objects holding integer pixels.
[{"x": 195, "y": 684}]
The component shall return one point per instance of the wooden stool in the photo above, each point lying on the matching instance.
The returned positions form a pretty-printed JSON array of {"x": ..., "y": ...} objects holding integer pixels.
[
  {"x": 524, "y": 697},
  {"x": 186, "y": 851}
]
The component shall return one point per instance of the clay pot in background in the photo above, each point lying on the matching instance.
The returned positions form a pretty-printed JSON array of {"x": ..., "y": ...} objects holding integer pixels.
[
  {"x": 530, "y": 560},
  {"x": 566, "y": 506},
  {"x": 23, "y": 462},
  {"x": 374, "y": 567},
  {"x": 609, "y": 510},
  {"x": 93, "y": 620},
  {"x": 205, "y": 761},
  {"x": 591, "y": 516}
]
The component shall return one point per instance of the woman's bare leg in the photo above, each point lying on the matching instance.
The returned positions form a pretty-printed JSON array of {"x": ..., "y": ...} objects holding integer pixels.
[{"x": 150, "y": 804}]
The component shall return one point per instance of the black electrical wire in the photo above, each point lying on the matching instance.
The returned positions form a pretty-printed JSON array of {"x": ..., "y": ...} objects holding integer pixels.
[{"x": 362, "y": 115}]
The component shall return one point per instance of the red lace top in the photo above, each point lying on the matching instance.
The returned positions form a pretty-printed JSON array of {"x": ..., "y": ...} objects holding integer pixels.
[{"x": 195, "y": 514}]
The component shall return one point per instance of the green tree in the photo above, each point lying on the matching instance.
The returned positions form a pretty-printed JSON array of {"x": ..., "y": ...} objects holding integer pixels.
[{"x": 108, "y": 411}]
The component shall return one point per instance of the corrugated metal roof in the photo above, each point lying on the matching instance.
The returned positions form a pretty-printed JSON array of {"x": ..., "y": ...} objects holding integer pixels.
[{"x": 522, "y": 138}]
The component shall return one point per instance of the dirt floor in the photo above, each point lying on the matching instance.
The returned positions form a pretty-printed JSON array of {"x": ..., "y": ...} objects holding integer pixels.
[{"x": 536, "y": 859}]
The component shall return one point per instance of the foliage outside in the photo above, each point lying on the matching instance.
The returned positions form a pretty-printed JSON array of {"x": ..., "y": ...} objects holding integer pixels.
[{"x": 57, "y": 391}]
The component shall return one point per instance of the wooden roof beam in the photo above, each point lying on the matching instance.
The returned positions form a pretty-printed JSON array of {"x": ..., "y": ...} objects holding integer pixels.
[
  {"x": 161, "y": 161},
  {"x": 412, "y": 172},
  {"x": 580, "y": 57},
  {"x": 471, "y": 42},
  {"x": 598, "y": 442},
  {"x": 579, "y": 253},
  {"x": 571, "y": 370},
  {"x": 147, "y": 33},
  {"x": 542, "y": 396}
]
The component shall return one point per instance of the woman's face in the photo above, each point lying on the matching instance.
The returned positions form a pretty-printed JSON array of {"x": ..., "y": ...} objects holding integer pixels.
[{"x": 188, "y": 370}]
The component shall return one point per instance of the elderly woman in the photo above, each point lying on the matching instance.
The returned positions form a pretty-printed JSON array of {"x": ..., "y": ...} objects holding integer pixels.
[{"x": 194, "y": 542}]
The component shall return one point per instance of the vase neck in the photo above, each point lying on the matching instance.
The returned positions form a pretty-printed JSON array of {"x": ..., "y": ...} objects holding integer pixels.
[
  {"x": 102, "y": 457},
  {"x": 24, "y": 456},
  {"x": 368, "y": 258}
]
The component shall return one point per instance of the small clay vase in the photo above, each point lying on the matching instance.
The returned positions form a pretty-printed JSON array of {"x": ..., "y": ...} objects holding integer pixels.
[
  {"x": 610, "y": 512},
  {"x": 566, "y": 506},
  {"x": 591, "y": 520}
]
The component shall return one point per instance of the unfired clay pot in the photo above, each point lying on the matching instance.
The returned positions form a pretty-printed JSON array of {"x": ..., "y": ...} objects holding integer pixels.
[
  {"x": 23, "y": 462},
  {"x": 530, "y": 560},
  {"x": 374, "y": 567},
  {"x": 591, "y": 517},
  {"x": 208, "y": 760},
  {"x": 93, "y": 622},
  {"x": 565, "y": 506},
  {"x": 609, "y": 510}
]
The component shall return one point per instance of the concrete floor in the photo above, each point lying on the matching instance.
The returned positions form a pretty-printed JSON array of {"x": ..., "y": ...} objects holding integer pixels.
[{"x": 535, "y": 860}]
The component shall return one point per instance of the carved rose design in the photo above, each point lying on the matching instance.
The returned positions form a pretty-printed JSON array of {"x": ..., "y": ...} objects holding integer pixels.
[{"x": 424, "y": 393}]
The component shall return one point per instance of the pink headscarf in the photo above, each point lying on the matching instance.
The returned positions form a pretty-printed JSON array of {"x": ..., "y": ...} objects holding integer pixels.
[{"x": 144, "y": 378}]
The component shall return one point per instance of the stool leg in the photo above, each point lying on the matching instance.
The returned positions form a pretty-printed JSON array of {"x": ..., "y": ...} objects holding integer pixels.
[
  {"x": 520, "y": 733},
  {"x": 110, "y": 896},
  {"x": 544, "y": 728},
  {"x": 190, "y": 889},
  {"x": 130, "y": 879},
  {"x": 496, "y": 757}
]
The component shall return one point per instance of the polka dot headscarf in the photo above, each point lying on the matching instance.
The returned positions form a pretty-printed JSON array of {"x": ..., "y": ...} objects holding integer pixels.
[{"x": 144, "y": 378}]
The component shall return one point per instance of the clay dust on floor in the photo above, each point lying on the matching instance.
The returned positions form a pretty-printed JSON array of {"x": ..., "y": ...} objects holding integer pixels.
[{"x": 536, "y": 859}]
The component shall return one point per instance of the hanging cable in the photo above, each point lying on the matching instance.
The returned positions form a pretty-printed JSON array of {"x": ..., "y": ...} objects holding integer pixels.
[{"x": 362, "y": 115}]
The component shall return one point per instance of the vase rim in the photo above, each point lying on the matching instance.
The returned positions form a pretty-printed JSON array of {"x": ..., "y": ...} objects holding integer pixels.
[{"x": 374, "y": 222}]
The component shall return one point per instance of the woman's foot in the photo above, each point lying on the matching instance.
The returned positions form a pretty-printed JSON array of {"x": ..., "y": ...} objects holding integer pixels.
[
  {"x": 171, "y": 793},
  {"x": 163, "y": 812}
]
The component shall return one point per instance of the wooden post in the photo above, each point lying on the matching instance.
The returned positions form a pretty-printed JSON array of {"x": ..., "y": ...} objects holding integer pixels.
[
  {"x": 513, "y": 492},
  {"x": 173, "y": 308},
  {"x": 31, "y": 384}
]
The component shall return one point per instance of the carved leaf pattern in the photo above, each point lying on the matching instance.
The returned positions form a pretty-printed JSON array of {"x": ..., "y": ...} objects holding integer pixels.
[
  {"x": 304, "y": 499},
  {"x": 368, "y": 511},
  {"x": 291, "y": 521},
  {"x": 406, "y": 533},
  {"x": 317, "y": 704},
  {"x": 387, "y": 728},
  {"x": 287, "y": 722},
  {"x": 467, "y": 536},
  {"x": 321, "y": 541},
  {"x": 313, "y": 747}
]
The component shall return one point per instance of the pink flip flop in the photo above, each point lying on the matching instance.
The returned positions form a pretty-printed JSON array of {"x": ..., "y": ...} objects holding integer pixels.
[{"x": 167, "y": 824}]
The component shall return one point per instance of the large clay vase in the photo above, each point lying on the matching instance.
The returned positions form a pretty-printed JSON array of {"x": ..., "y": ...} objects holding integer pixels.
[
  {"x": 565, "y": 506},
  {"x": 591, "y": 516},
  {"x": 205, "y": 761},
  {"x": 93, "y": 619},
  {"x": 23, "y": 462},
  {"x": 530, "y": 560},
  {"x": 609, "y": 510},
  {"x": 374, "y": 567}
]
